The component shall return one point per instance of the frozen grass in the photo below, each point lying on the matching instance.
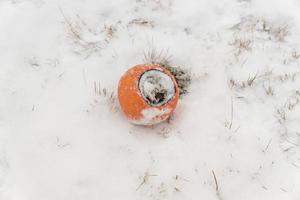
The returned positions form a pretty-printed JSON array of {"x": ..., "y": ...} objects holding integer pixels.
[
  {"x": 234, "y": 135},
  {"x": 162, "y": 57}
]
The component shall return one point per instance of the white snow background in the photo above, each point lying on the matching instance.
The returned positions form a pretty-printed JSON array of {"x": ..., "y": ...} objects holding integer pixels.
[{"x": 234, "y": 136}]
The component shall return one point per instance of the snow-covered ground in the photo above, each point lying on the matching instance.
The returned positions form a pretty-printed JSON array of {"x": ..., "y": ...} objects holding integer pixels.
[{"x": 234, "y": 136}]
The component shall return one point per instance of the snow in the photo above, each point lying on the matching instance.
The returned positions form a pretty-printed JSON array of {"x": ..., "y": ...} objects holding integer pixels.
[
  {"x": 153, "y": 83},
  {"x": 152, "y": 116},
  {"x": 63, "y": 136}
]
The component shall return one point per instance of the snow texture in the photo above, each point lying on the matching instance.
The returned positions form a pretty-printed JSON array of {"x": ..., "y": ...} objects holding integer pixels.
[
  {"x": 156, "y": 87},
  {"x": 152, "y": 116},
  {"x": 234, "y": 136}
]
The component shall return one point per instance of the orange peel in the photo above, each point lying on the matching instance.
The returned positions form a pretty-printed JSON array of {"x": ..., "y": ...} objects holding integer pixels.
[{"x": 148, "y": 94}]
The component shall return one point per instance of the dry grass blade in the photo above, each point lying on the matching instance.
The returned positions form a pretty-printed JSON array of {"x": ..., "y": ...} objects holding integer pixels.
[
  {"x": 216, "y": 181},
  {"x": 251, "y": 80},
  {"x": 84, "y": 38},
  {"x": 182, "y": 76},
  {"x": 157, "y": 57},
  {"x": 71, "y": 27}
]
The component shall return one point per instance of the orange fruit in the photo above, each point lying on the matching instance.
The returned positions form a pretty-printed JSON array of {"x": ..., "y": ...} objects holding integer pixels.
[{"x": 148, "y": 94}]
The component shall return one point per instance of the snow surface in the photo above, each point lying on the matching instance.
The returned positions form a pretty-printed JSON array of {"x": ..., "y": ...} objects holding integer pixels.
[{"x": 235, "y": 136}]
